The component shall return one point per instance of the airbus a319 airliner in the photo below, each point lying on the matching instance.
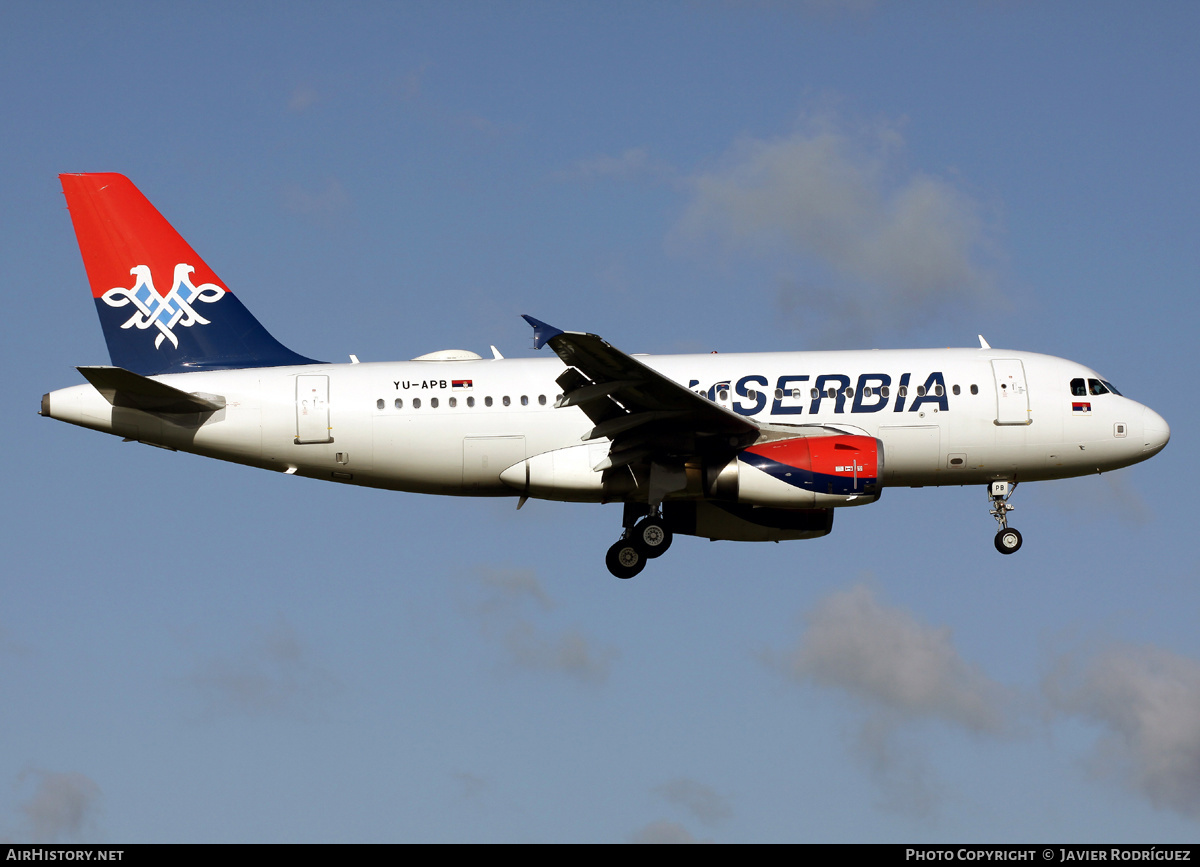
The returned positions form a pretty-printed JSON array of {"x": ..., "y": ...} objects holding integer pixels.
[{"x": 746, "y": 447}]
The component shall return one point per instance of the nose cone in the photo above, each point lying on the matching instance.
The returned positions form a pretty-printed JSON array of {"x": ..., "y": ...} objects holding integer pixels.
[{"x": 1155, "y": 432}]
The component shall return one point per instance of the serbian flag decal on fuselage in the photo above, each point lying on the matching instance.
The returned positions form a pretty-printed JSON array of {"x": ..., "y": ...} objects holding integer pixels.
[
  {"x": 461, "y": 384},
  {"x": 1078, "y": 408}
]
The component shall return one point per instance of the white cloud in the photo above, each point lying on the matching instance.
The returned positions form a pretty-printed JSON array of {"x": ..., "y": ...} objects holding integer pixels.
[
  {"x": 470, "y": 785},
  {"x": 409, "y": 85},
  {"x": 1148, "y": 702},
  {"x": 836, "y": 7},
  {"x": 62, "y": 807},
  {"x": 886, "y": 657},
  {"x": 663, "y": 831},
  {"x": 528, "y": 644},
  {"x": 326, "y": 202},
  {"x": 907, "y": 783},
  {"x": 856, "y": 234},
  {"x": 275, "y": 674},
  {"x": 903, "y": 672},
  {"x": 509, "y": 587},
  {"x": 302, "y": 98},
  {"x": 698, "y": 799},
  {"x": 9, "y": 647},
  {"x": 570, "y": 653},
  {"x": 1114, "y": 493},
  {"x": 632, "y": 163}
]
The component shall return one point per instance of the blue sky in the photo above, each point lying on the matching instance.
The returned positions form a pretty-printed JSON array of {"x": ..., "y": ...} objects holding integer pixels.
[{"x": 192, "y": 651}]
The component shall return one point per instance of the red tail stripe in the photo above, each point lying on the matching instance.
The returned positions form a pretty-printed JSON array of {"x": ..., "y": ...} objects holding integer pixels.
[{"x": 118, "y": 229}]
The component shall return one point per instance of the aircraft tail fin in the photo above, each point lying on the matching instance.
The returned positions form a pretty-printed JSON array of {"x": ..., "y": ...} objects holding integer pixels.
[{"x": 163, "y": 310}]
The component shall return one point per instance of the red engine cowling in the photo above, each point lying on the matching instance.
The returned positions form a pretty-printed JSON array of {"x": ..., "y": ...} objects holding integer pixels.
[{"x": 802, "y": 473}]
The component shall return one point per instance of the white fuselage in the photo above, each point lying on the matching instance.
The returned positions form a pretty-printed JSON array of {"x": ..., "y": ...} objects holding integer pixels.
[{"x": 452, "y": 427}]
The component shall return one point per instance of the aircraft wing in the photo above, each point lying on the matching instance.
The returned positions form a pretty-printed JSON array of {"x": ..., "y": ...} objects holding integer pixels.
[{"x": 646, "y": 415}]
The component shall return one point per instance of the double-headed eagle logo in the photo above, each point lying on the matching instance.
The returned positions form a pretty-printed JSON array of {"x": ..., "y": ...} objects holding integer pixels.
[{"x": 164, "y": 312}]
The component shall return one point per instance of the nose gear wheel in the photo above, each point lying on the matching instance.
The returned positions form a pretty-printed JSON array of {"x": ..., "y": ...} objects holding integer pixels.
[{"x": 1008, "y": 540}]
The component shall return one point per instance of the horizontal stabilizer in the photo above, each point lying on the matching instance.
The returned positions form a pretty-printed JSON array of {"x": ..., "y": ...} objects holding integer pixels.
[{"x": 124, "y": 388}]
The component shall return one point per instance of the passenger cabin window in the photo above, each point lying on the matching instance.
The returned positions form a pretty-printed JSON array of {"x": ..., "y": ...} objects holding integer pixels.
[
  {"x": 541, "y": 400},
  {"x": 454, "y": 401},
  {"x": 416, "y": 403},
  {"x": 974, "y": 389},
  {"x": 1078, "y": 388},
  {"x": 487, "y": 401},
  {"x": 524, "y": 400},
  {"x": 902, "y": 391},
  {"x": 956, "y": 390},
  {"x": 470, "y": 401},
  {"x": 920, "y": 391},
  {"x": 379, "y": 403},
  {"x": 399, "y": 403},
  {"x": 506, "y": 401}
]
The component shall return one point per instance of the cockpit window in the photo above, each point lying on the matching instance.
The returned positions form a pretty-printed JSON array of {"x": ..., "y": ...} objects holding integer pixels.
[
  {"x": 1095, "y": 386},
  {"x": 1111, "y": 388},
  {"x": 1078, "y": 387}
]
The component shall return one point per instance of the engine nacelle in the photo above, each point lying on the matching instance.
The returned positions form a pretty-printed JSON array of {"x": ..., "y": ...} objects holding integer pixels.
[{"x": 802, "y": 473}]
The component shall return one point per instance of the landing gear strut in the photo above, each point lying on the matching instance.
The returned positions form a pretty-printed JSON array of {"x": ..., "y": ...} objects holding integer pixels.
[
  {"x": 1008, "y": 540},
  {"x": 646, "y": 536}
]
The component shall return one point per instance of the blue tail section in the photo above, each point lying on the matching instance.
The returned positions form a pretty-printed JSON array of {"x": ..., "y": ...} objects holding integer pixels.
[{"x": 163, "y": 310}]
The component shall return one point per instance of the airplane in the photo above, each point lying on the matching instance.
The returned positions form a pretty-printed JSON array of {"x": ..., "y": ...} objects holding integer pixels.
[{"x": 745, "y": 446}]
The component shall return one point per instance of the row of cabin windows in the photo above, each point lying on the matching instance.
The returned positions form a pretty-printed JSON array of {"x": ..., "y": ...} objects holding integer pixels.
[
  {"x": 751, "y": 394},
  {"x": 453, "y": 402},
  {"x": 885, "y": 392}
]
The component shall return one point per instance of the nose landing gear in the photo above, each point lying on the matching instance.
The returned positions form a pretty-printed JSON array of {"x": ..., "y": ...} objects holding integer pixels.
[
  {"x": 1008, "y": 540},
  {"x": 646, "y": 536}
]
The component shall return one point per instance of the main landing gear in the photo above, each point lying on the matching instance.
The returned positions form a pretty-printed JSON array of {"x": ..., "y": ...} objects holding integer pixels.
[
  {"x": 1008, "y": 540},
  {"x": 646, "y": 536}
]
